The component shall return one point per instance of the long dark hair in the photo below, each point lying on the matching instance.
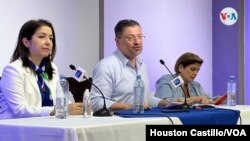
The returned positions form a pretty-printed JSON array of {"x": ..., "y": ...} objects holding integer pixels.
[{"x": 27, "y": 31}]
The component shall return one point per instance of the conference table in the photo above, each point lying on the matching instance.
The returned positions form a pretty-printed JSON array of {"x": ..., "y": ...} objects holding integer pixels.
[{"x": 77, "y": 128}]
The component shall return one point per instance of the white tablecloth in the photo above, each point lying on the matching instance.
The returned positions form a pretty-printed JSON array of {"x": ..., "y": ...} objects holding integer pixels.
[{"x": 77, "y": 128}]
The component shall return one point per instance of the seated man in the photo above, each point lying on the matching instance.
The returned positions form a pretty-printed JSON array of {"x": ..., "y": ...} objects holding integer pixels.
[{"x": 115, "y": 74}]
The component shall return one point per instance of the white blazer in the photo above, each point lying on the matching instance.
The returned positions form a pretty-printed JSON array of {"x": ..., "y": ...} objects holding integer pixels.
[{"x": 20, "y": 95}]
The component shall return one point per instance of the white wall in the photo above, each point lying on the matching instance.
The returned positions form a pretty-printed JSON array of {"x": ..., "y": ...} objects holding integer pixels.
[
  {"x": 76, "y": 24},
  {"x": 171, "y": 27}
]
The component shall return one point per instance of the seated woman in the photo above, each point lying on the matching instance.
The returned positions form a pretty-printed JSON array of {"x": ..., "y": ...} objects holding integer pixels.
[
  {"x": 29, "y": 82},
  {"x": 187, "y": 66}
]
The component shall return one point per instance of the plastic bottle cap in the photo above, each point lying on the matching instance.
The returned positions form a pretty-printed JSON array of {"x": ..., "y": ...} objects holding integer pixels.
[
  {"x": 86, "y": 93},
  {"x": 62, "y": 76},
  {"x": 232, "y": 76},
  {"x": 138, "y": 77}
]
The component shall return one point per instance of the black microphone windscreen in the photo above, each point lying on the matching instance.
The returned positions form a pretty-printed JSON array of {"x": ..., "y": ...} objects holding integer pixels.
[
  {"x": 162, "y": 62},
  {"x": 72, "y": 67}
]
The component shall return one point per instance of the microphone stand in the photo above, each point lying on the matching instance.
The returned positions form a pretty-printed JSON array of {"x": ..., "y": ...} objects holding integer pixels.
[
  {"x": 185, "y": 104},
  {"x": 104, "y": 111}
]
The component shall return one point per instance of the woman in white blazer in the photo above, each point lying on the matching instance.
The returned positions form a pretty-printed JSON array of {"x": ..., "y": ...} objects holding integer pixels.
[{"x": 29, "y": 82}]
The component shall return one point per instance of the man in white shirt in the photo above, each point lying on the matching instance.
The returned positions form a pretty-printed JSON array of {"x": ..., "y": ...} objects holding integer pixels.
[{"x": 115, "y": 74}]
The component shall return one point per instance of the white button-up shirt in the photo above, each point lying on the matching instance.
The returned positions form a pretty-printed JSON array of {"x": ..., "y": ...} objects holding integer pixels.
[{"x": 115, "y": 77}]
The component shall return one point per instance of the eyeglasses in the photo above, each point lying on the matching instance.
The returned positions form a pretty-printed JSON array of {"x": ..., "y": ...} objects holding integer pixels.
[{"x": 131, "y": 38}]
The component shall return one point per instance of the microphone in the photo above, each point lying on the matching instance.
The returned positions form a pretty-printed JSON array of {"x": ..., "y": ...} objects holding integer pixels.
[
  {"x": 80, "y": 74},
  {"x": 177, "y": 81}
]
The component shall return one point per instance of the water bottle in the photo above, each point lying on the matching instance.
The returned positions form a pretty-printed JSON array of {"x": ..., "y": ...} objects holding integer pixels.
[
  {"x": 87, "y": 112},
  {"x": 231, "y": 91},
  {"x": 138, "y": 98},
  {"x": 62, "y": 98}
]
